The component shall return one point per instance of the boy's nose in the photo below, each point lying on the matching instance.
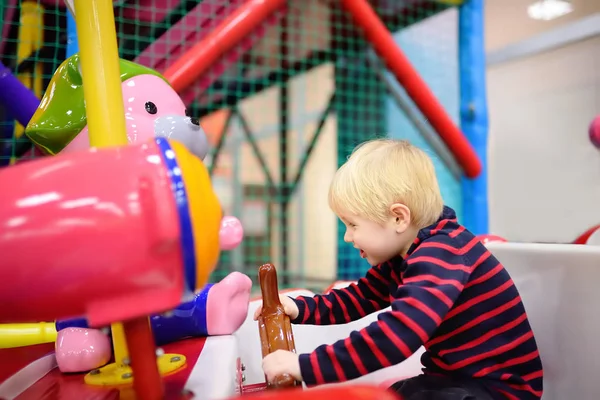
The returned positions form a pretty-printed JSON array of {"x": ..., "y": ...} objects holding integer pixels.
[{"x": 347, "y": 237}]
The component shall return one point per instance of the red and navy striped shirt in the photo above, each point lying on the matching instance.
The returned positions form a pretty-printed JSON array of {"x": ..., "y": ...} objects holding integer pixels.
[{"x": 450, "y": 295}]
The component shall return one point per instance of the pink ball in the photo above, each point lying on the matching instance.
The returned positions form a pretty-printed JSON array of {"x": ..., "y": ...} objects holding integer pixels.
[
  {"x": 231, "y": 233},
  {"x": 485, "y": 239},
  {"x": 595, "y": 132},
  {"x": 80, "y": 349}
]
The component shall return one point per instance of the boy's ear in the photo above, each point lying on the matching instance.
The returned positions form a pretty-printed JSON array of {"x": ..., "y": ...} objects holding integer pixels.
[{"x": 401, "y": 215}]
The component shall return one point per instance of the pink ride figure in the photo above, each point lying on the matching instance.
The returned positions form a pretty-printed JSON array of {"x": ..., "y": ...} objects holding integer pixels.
[
  {"x": 152, "y": 109},
  {"x": 488, "y": 238},
  {"x": 105, "y": 224}
]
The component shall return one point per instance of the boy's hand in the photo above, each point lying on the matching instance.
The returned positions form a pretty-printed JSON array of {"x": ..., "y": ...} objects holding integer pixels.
[
  {"x": 289, "y": 307},
  {"x": 281, "y": 362}
]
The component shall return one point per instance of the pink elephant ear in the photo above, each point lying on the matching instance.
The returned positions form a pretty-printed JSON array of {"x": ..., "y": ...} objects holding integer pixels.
[{"x": 61, "y": 113}]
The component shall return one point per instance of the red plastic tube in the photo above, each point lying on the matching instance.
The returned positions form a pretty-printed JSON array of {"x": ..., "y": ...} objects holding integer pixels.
[
  {"x": 379, "y": 36},
  {"x": 147, "y": 382},
  {"x": 230, "y": 32},
  {"x": 583, "y": 238},
  {"x": 346, "y": 392}
]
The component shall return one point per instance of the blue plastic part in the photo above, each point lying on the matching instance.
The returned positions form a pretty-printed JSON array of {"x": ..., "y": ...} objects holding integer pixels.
[
  {"x": 19, "y": 103},
  {"x": 72, "y": 41},
  {"x": 187, "y": 320},
  {"x": 71, "y": 323},
  {"x": 23, "y": 110},
  {"x": 473, "y": 111},
  {"x": 185, "y": 221}
]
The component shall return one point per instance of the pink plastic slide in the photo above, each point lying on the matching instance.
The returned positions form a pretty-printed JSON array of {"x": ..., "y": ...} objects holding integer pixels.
[
  {"x": 205, "y": 17},
  {"x": 152, "y": 11}
]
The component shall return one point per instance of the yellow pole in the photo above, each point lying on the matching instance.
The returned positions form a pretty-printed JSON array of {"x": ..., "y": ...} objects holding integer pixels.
[
  {"x": 25, "y": 44},
  {"x": 99, "y": 57},
  {"x": 119, "y": 344},
  {"x": 38, "y": 42},
  {"x": 30, "y": 40},
  {"x": 21, "y": 335}
]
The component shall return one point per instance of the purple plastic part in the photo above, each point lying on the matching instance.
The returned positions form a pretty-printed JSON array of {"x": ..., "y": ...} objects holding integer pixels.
[{"x": 19, "y": 101}]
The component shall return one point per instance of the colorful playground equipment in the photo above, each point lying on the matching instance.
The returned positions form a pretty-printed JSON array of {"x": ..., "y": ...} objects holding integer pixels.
[
  {"x": 152, "y": 222},
  {"x": 255, "y": 72},
  {"x": 127, "y": 234},
  {"x": 123, "y": 194},
  {"x": 166, "y": 50}
]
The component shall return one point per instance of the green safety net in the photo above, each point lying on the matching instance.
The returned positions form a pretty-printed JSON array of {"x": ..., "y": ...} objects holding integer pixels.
[{"x": 283, "y": 109}]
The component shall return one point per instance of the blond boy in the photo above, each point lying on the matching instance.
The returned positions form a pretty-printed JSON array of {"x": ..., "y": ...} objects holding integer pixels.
[{"x": 447, "y": 292}]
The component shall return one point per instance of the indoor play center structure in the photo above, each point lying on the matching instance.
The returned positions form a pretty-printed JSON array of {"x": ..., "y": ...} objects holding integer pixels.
[{"x": 112, "y": 227}]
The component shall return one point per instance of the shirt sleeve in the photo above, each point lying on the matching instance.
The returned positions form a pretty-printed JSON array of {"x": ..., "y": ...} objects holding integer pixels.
[
  {"x": 433, "y": 278},
  {"x": 341, "y": 306}
]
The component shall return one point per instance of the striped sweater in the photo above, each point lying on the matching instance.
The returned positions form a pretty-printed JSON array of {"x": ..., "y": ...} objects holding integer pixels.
[{"x": 450, "y": 295}]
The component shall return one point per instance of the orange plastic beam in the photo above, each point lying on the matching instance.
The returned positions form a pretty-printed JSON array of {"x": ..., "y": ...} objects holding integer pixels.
[
  {"x": 205, "y": 53},
  {"x": 382, "y": 41}
]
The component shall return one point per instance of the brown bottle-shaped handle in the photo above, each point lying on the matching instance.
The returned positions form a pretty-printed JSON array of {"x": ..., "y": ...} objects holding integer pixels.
[{"x": 274, "y": 325}]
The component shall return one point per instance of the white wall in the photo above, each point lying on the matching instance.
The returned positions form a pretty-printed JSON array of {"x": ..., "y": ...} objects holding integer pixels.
[
  {"x": 544, "y": 175},
  {"x": 507, "y": 22}
]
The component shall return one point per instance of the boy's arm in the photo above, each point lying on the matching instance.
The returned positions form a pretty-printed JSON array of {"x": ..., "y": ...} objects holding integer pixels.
[
  {"x": 434, "y": 278},
  {"x": 341, "y": 306}
]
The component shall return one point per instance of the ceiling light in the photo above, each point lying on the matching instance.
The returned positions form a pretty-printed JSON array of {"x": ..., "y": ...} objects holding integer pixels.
[{"x": 547, "y": 10}]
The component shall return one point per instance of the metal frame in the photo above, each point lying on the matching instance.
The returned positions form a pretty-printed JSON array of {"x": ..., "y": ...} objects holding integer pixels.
[
  {"x": 284, "y": 192},
  {"x": 251, "y": 86},
  {"x": 285, "y": 189}
]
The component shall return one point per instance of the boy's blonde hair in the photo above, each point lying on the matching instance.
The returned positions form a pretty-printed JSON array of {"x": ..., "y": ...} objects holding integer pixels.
[{"x": 382, "y": 172}]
